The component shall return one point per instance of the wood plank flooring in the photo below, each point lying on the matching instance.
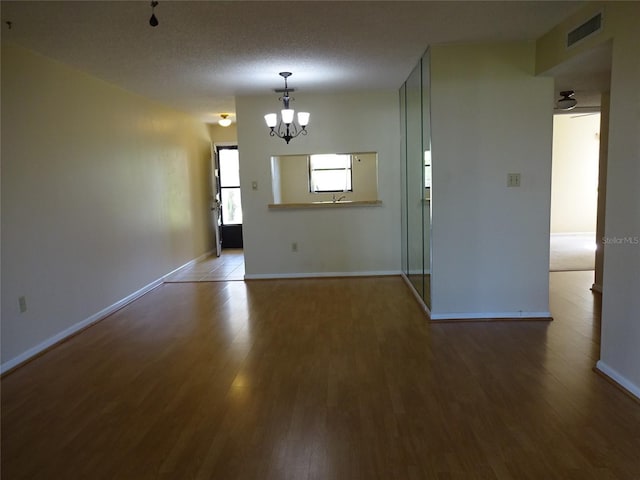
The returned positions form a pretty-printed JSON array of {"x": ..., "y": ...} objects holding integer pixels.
[{"x": 320, "y": 379}]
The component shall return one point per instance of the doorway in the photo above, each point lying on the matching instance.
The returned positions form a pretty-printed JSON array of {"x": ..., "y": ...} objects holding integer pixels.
[
  {"x": 574, "y": 190},
  {"x": 228, "y": 166},
  {"x": 588, "y": 75}
]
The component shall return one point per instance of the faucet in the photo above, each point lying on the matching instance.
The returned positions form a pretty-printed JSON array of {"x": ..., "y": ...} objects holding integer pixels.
[{"x": 338, "y": 199}]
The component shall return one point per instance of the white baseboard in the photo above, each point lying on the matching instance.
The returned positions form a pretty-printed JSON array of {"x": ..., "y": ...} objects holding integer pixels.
[
  {"x": 624, "y": 382},
  {"x": 87, "y": 322},
  {"x": 473, "y": 316},
  {"x": 489, "y": 315},
  {"x": 420, "y": 272},
  {"x": 279, "y": 276}
]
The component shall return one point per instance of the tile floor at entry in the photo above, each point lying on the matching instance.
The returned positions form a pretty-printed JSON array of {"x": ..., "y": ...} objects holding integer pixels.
[{"x": 229, "y": 266}]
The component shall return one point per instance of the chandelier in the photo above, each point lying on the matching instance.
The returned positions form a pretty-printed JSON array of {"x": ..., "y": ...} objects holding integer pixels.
[{"x": 286, "y": 128}]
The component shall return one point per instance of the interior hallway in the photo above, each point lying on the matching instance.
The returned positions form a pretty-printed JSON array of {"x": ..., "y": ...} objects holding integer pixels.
[
  {"x": 320, "y": 379},
  {"x": 229, "y": 266}
]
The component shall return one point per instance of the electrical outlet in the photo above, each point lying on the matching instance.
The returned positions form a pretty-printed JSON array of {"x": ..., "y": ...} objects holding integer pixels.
[
  {"x": 294, "y": 247},
  {"x": 22, "y": 303},
  {"x": 513, "y": 180}
]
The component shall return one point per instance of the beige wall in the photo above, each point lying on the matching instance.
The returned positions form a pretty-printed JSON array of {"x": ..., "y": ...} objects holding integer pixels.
[
  {"x": 346, "y": 240},
  {"x": 220, "y": 134},
  {"x": 574, "y": 174},
  {"x": 620, "y": 339},
  {"x": 551, "y": 48},
  {"x": 294, "y": 178},
  {"x": 490, "y": 242},
  {"x": 103, "y": 192}
]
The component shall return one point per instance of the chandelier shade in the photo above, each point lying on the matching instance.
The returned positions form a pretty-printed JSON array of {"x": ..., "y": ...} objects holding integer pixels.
[
  {"x": 271, "y": 119},
  {"x": 303, "y": 118},
  {"x": 287, "y": 115},
  {"x": 286, "y": 127}
]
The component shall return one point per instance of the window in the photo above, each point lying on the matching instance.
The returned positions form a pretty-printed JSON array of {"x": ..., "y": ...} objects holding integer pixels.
[
  {"x": 230, "y": 185},
  {"x": 330, "y": 173}
]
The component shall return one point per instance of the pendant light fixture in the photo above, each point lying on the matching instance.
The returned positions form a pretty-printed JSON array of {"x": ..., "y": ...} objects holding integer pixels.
[{"x": 286, "y": 127}]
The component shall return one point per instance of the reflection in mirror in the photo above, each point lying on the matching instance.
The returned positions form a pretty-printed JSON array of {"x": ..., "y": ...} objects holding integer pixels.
[
  {"x": 426, "y": 143},
  {"x": 415, "y": 181},
  {"x": 324, "y": 178},
  {"x": 427, "y": 174}
]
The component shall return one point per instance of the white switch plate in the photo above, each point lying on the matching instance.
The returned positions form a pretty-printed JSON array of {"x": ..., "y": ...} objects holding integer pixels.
[
  {"x": 513, "y": 180},
  {"x": 254, "y": 185}
]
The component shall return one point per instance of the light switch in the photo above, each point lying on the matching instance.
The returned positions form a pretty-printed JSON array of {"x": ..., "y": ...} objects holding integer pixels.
[
  {"x": 513, "y": 180},
  {"x": 254, "y": 185}
]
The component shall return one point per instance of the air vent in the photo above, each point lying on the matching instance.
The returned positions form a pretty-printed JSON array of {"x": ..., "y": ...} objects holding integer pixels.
[{"x": 591, "y": 26}]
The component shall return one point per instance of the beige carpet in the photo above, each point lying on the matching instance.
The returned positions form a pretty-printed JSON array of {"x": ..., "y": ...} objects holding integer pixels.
[{"x": 574, "y": 251}]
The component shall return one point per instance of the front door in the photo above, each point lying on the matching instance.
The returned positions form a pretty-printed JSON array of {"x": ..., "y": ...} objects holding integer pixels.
[
  {"x": 231, "y": 211},
  {"x": 216, "y": 205}
]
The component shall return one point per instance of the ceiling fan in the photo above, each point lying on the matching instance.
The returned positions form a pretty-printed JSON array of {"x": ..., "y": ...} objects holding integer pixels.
[{"x": 567, "y": 102}]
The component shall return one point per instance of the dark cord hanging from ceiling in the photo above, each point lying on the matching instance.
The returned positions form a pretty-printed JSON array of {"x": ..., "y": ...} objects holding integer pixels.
[{"x": 153, "y": 21}]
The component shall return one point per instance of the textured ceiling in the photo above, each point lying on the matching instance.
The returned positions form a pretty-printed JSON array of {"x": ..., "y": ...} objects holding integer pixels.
[{"x": 204, "y": 53}]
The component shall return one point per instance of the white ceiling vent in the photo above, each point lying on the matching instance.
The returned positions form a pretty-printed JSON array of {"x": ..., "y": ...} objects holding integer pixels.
[{"x": 588, "y": 28}]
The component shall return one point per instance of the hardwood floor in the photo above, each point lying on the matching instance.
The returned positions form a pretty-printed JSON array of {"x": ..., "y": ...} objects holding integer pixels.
[{"x": 320, "y": 379}]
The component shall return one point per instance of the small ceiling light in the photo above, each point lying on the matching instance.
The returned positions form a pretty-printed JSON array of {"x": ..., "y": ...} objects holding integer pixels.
[
  {"x": 224, "y": 121},
  {"x": 153, "y": 21},
  {"x": 567, "y": 102},
  {"x": 286, "y": 128}
]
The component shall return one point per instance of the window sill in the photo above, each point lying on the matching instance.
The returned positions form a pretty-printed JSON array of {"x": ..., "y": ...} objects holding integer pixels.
[{"x": 329, "y": 204}]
